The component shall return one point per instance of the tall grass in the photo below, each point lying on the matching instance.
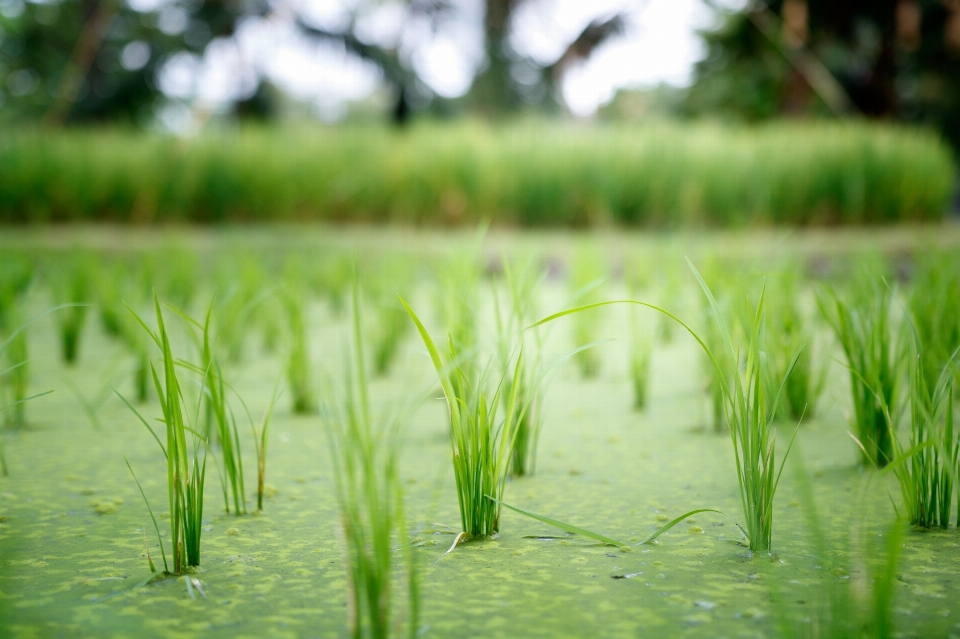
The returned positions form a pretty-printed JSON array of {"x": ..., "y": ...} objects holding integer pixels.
[
  {"x": 533, "y": 174},
  {"x": 186, "y": 466},
  {"x": 862, "y": 324},
  {"x": 15, "y": 376},
  {"x": 364, "y": 453}
]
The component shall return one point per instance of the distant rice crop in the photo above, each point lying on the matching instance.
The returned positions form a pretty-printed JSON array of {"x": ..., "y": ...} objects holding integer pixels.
[{"x": 531, "y": 174}]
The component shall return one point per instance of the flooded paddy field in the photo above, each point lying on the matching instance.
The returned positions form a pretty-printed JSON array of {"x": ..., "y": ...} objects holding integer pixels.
[{"x": 75, "y": 533}]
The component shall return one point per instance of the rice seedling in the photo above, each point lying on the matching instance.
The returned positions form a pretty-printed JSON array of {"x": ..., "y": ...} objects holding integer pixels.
[
  {"x": 299, "y": 375},
  {"x": 641, "y": 348},
  {"x": 786, "y": 332},
  {"x": 458, "y": 302},
  {"x": 364, "y": 454},
  {"x": 862, "y": 325},
  {"x": 71, "y": 286},
  {"x": 260, "y": 440},
  {"x": 481, "y": 442},
  {"x": 860, "y": 607},
  {"x": 747, "y": 410},
  {"x": 521, "y": 284},
  {"x": 713, "y": 335},
  {"x": 16, "y": 374},
  {"x": 186, "y": 471},
  {"x": 111, "y": 289},
  {"x": 587, "y": 278},
  {"x": 390, "y": 320},
  {"x": 222, "y": 418},
  {"x": 934, "y": 304},
  {"x": 927, "y": 469}
]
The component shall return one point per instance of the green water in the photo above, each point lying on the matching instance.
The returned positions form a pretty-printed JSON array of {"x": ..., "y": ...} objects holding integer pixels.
[{"x": 72, "y": 543}]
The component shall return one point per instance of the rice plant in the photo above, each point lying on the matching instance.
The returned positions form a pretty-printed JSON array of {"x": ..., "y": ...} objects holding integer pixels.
[
  {"x": 587, "y": 278},
  {"x": 71, "y": 286},
  {"x": 186, "y": 465},
  {"x": 299, "y": 373},
  {"x": 15, "y": 378},
  {"x": 458, "y": 304},
  {"x": 222, "y": 418},
  {"x": 862, "y": 325},
  {"x": 260, "y": 440},
  {"x": 482, "y": 442},
  {"x": 713, "y": 327},
  {"x": 860, "y": 607},
  {"x": 787, "y": 330},
  {"x": 364, "y": 453},
  {"x": 641, "y": 347},
  {"x": 927, "y": 469},
  {"x": 747, "y": 409},
  {"x": 390, "y": 322},
  {"x": 934, "y": 304},
  {"x": 522, "y": 282}
]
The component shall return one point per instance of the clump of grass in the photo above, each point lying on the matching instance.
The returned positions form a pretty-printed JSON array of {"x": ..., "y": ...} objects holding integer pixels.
[
  {"x": 299, "y": 374},
  {"x": 587, "y": 276},
  {"x": 641, "y": 351},
  {"x": 222, "y": 418},
  {"x": 390, "y": 321},
  {"x": 927, "y": 469},
  {"x": 747, "y": 410},
  {"x": 260, "y": 440},
  {"x": 522, "y": 284},
  {"x": 16, "y": 373},
  {"x": 713, "y": 328},
  {"x": 845, "y": 608},
  {"x": 482, "y": 443},
  {"x": 71, "y": 286},
  {"x": 862, "y": 325},
  {"x": 786, "y": 332},
  {"x": 186, "y": 471},
  {"x": 364, "y": 454},
  {"x": 934, "y": 304}
]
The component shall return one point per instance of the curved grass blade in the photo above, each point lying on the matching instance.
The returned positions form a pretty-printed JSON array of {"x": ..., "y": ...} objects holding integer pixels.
[
  {"x": 570, "y": 528},
  {"x": 155, "y": 525},
  {"x": 676, "y": 521}
]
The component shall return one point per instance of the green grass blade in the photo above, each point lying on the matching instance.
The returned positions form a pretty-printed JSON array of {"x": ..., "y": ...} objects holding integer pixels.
[{"x": 570, "y": 528}]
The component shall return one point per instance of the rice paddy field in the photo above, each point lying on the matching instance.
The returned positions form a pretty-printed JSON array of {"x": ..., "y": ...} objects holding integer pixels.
[{"x": 323, "y": 432}]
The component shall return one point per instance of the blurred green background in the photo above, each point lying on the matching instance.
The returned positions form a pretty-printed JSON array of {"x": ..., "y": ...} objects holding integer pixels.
[{"x": 446, "y": 112}]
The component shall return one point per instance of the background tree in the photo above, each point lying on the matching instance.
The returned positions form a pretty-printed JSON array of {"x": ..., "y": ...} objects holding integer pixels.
[{"x": 891, "y": 59}]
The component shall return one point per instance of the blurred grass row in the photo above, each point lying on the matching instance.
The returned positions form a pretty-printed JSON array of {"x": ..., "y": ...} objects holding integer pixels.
[{"x": 660, "y": 176}]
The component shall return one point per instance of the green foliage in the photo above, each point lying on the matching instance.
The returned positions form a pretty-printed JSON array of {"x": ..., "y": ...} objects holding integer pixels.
[
  {"x": 364, "y": 453},
  {"x": 641, "y": 352},
  {"x": 185, "y": 471},
  {"x": 927, "y": 469},
  {"x": 522, "y": 282},
  {"x": 530, "y": 174},
  {"x": 482, "y": 443},
  {"x": 853, "y": 599},
  {"x": 299, "y": 369},
  {"x": 787, "y": 332},
  {"x": 747, "y": 410},
  {"x": 390, "y": 321},
  {"x": 71, "y": 285},
  {"x": 587, "y": 275},
  {"x": 934, "y": 303},
  {"x": 862, "y": 324}
]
